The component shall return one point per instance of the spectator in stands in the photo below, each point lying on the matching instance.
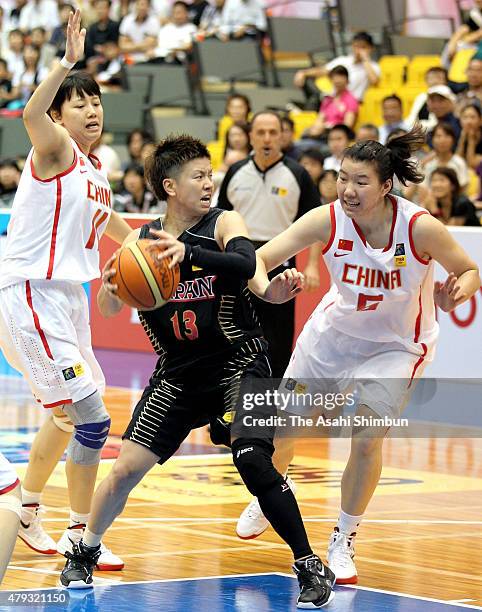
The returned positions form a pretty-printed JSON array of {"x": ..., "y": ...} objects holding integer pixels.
[
  {"x": 363, "y": 71},
  {"x": 39, "y": 13},
  {"x": 39, "y": 39},
  {"x": 327, "y": 186},
  {"x": 287, "y": 138},
  {"x": 138, "y": 32},
  {"x": 135, "y": 141},
  {"x": 392, "y": 116},
  {"x": 367, "y": 131},
  {"x": 419, "y": 111},
  {"x": 312, "y": 162},
  {"x": 339, "y": 137},
  {"x": 444, "y": 200},
  {"x": 473, "y": 93},
  {"x": 14, "y": 53},
  {"x": 211, "y": 20},
  {"x": 236, "y": 145},
  {"x": 59, "y": 34},
  {"x": 441, "y": 102},
  {"x": 100, "y": 33},
  {"x": 108, "y": 158},
  {"x": 175, "y": 38},
  {"x": 24, "y": 84},
  {"x": 243, "y": 18},
  {"x": 12, "y": 15},
  {"x": 9, "y": 180},
  {"x": 339, "y": 107},
  {"x": 443, "y": 155},
  {"x": 238, "y": 107},
  {"x": 196, "y": 9},
  {"x": 468, "y": 34},
  {"x": 5, "y": 84},
  {"x": 470, "y": 142},
  {"x": 147, "y": 149},
  {"x": 135, "y": 196}
]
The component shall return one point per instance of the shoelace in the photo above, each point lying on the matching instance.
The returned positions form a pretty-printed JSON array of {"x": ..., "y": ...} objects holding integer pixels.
[
  {"x": 308, "y": 574},
  {"x": 342, "y": 549},
  {"x": 254, "y": 510}
]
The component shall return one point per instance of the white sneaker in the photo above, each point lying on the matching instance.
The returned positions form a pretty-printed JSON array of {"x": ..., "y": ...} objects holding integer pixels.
[
  {"x": 108, "y": 562},
  {"x": 252, "y": 522},
  {"x": 32, "y": 532},
  {"x": 341, "y": 551}
]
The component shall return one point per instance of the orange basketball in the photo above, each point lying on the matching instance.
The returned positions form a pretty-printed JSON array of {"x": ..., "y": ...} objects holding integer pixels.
[{"x": 143, "y": 283}]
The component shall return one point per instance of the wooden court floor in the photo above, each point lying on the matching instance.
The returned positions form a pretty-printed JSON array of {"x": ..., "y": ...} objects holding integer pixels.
[{"x": 422, "y": 534}]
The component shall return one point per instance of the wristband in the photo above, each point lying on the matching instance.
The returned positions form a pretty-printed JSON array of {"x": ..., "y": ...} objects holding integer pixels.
[{"x": 66, "y": 64}]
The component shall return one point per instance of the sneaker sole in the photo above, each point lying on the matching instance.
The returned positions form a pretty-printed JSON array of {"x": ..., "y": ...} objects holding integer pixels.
[
  {"x": 48, "y": 551},
  {"x": 350, "y": 580},
  {"x": 253, "y": 536},
  {"x": 76, "y": 584},
  {"x": 105, "y": 567},
  {"x": 311, "y": 606}
]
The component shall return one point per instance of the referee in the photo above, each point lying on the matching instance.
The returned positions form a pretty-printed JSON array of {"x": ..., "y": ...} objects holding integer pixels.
[{"x": 270, "y": 191}]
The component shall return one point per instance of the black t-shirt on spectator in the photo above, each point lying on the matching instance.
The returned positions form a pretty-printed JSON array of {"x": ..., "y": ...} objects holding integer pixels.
[{"x": 99, "y": 34}]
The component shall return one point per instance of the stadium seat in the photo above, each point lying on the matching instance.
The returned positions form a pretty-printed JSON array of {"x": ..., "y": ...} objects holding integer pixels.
[
  {"x": 418, "y": 67},
  {"x": 459, "y": 65},
  {"x": 408, "y": 93},
  {"x": 370, "y": 110},
  {"x": 393, "y": 69},
  {"x": 216, "y": 150},
  {"x": 303, "y": 120}
]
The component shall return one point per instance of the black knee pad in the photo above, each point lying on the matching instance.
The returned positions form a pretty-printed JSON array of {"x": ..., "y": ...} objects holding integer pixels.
[
  {"x": 220, "y": 430},
  {"x": 253, "y": 460}
]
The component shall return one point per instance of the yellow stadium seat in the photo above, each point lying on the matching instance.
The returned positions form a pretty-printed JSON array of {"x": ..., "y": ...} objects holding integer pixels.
[
  {"x": 459, "y": 65},
  {"x": 223, "y": 126},
  {"x": 303, "y": 120},
  {"x": 371, "y": 109},
  {"x": 418, "y": 67},
  {"x": 393, "y": 69},
  {"x": 408, "y": 93},
  {"x": 216, "y": 150},
  {"x": 473, "y": 188},
  {"x": 324, "y": 84}
]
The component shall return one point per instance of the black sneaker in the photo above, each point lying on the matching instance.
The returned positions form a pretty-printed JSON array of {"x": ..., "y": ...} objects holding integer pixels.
[
  {"x": 316, "y": 582},
  {"x": 77, "y": 573}
]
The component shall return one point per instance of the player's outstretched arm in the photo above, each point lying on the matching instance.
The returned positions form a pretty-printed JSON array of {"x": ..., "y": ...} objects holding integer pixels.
[
  {"x": 432, "y": 239},
  {"x": 118, "y": 229},
  {"x": 49, "y": 139}
]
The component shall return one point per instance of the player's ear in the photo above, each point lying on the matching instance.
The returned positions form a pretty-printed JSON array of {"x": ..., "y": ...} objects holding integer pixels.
[
  {"x": 169, "y": 185},
  {"x": 56, "y": 116},
  {"x": 387, "y": 187}
]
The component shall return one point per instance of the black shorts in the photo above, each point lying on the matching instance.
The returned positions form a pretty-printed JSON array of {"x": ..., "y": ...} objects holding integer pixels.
[{"x": 171, "y": 407}]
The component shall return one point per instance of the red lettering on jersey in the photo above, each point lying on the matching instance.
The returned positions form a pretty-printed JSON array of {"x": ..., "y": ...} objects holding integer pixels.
[
  {"x": 382, "y": 279},
  {"x": 395, "y": 279},
  {"x": 346, "y": 270},
  {"x": 99, "y": 194},
  {"x": 363, "y": 275}
]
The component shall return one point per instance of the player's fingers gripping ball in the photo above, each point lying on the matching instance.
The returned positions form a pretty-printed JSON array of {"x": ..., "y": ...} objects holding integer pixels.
[{"x": 142, "y": 282}]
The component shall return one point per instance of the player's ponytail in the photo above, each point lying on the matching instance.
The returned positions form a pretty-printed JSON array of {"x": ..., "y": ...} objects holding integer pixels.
[{"x": 392, "y": 158}]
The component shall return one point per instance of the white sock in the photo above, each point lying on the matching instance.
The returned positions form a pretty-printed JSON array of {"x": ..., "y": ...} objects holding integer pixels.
[
  {"x": 91, "y": 539},
  {"x": 29, "y": 497},
  {"x": 347, "y": 523},
  {"x": 78, "y": 519}
]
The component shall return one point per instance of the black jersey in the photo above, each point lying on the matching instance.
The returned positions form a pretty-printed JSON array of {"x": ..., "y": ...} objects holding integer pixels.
[{"x": 209, "y": 317}]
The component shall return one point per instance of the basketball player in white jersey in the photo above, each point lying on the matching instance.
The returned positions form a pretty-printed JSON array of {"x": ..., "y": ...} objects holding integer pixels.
[
  {"x": 377, "y": 321},
  {"x": 61, "y": 209},
  {"x": 10, "y": 510}
]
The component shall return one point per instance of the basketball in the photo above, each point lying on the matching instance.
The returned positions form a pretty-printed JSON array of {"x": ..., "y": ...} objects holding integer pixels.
[{"x": 143, "y": 283}]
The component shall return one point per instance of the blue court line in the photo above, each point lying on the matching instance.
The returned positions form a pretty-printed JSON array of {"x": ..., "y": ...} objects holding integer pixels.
[{"x": 271, "y": 592}]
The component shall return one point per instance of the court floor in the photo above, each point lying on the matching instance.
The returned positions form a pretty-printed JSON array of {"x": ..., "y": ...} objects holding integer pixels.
[{"x": 417, "y": 550}]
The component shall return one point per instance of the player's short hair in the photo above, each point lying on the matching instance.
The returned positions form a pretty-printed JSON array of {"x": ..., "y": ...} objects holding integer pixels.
[
  {"x": 77, "y": 82},
  {"x": 169, "y": 158}
]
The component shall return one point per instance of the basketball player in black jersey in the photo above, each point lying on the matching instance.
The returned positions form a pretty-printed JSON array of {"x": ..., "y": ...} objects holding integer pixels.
[{"x": 208, "y": 340}]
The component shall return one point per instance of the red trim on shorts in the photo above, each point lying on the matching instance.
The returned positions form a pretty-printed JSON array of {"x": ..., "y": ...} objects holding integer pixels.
[
  {"x": 10, "y": 487},
  {"x": 425, "y": 262},
  {"x": 57, "y": 176},
  {"x": 419, "y": 362},
  {"x": 54, "y": 404},
  {"x": 36, "y": 321},
  {"x": 53, "y": 239},
  {"x": 418, "y": 320},
  {"x": 333, "y": 229}
]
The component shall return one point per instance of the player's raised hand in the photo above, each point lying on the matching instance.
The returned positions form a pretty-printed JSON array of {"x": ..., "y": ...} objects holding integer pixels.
[
  {"x": 284, "y": 286},
  {"x": 167, "y": 246},
  {"x": 448, "y": 296},
  {"x": 74, "y": 45}
]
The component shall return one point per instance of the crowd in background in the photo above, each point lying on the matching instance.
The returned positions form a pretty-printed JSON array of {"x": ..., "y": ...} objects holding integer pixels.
[{"x": 32, "y": 39}]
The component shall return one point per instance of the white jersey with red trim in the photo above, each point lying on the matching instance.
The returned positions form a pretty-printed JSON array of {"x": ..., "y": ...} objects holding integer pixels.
[
  {"x": 56, "y": 223},
  {"x": 382, "y": 295}
]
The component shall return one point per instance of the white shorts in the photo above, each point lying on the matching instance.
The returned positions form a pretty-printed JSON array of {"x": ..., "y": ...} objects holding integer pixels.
[
  {"x": 381, "y": 374},
  {"x": 45, "y": 335},
  {"x": 8, "y": 476}
]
